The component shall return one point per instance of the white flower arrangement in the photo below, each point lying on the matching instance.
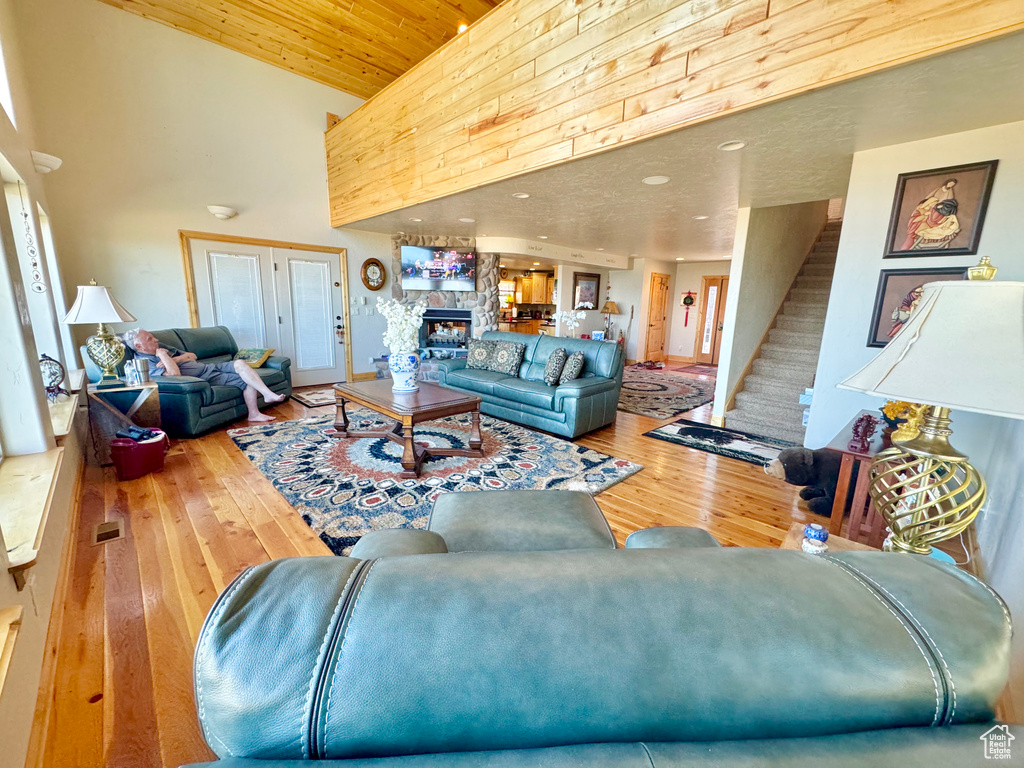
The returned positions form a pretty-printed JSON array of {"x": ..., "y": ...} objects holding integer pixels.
[
  {"x": 404, "y": 321},
  {"x": 573, "y": 317}
]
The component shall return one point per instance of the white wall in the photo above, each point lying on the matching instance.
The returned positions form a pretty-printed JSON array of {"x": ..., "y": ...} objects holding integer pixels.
[
  {"x": 688, "y": 278},
  {"x": 594, "y": 321},
  {"x": 627, "y": 290},
  {"x": 153, "y": 125},
  {"x": 995, "y": 445},
  {"x": 770, "y": 247}
]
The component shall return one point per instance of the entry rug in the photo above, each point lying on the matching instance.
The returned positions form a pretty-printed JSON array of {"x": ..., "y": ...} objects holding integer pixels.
[
  {"x": 315, "y": 398},
  {"x": 345, "y": 488},
  {"x": 731, "y": 443},
  {"x": 662, "y": 395}
]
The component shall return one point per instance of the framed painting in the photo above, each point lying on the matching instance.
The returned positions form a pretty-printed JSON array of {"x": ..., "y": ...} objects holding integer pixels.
[
  {"x": 585, "y": 289},
  {"x": 940, "y": 212},
  {"x": 899, "y": 291}
]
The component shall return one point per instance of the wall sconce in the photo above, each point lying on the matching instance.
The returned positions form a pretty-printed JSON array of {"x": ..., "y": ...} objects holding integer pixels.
[
  {"x": 45, "y": 163},
  {"x": 222, "y": 211}
]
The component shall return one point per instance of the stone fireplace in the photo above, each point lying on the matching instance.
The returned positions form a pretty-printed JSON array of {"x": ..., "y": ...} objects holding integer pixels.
[{"x": 446, "y": 332}]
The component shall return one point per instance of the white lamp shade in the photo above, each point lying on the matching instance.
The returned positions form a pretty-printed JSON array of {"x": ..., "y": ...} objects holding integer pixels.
[
  {"x": 962, "y": 348},
  {"x": 94, "y": 304}
]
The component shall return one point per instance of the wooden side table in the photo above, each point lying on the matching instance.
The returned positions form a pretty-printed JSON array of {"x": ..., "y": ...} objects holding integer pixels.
[
  {"x": 865, "y": 525},
  {"x": 795, "y": 535},
  {"x": 111, "y": 409}
]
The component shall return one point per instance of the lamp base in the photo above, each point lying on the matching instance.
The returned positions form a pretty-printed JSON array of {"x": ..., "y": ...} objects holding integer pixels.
[
  {"x": 107, "y": 352},
  {"x": 108, "y": 382}
]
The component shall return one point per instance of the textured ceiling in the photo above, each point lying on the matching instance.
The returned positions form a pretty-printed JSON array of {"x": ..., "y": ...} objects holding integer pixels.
[
  {"x": 357, "y": 46},
  {"x": 797, "y": 150}
]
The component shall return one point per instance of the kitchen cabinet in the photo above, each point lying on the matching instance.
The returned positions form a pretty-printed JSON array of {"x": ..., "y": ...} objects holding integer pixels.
[
  {"x": 550, "y": 290},
  {"x": 524, "y": 290}
]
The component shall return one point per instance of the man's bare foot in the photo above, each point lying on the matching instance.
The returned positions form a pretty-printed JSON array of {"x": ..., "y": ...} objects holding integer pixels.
[
  {"x": 275, "y": 398},
  {"x": 261, "y": 417}
]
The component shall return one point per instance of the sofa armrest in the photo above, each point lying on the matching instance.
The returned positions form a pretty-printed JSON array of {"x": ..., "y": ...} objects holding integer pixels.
[
  {"x": 581, "y": 388},
  {"x": 278, "y": 362},
  {"x": 444, "y": 367},
  {"x": 180, "y": 385}
]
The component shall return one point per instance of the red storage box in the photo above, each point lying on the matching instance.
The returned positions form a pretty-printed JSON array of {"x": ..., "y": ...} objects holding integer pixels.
[{"x": 134, "y": 459}]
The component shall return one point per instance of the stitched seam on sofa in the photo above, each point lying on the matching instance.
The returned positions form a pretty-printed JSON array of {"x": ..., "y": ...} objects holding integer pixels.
[
  {"x": 1002, "y": 603},
  {"x": 307, "y": 711},
  {"x": 924, "y": 655},
  {"x": 341, "y": 652},
  {"x": 647, "y": 752},
  {"x": 204, "y": 644},
  {"x": 920, "y": 626}
]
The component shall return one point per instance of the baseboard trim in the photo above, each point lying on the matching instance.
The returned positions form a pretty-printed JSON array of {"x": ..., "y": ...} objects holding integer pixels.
[
  {"x": 679, "y": 359},
  {"x": 370, "y": 376}
]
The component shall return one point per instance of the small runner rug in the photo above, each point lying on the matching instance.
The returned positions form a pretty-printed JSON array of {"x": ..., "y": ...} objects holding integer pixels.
[
  {"x": 662, "y": 395},
  {"x": 731, "y": 443},
  {"x": 345, "y": 488},
  {"x": 314, "y": 398}
]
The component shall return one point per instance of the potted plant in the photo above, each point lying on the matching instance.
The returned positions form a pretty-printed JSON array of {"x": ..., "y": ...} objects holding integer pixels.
[
  {"x": 573, "y": 317},
  {"x": 402, "y": 338}
]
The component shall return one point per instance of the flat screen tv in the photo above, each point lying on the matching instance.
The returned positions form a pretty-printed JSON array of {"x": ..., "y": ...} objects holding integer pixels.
[{"x": 437, "y": 269}]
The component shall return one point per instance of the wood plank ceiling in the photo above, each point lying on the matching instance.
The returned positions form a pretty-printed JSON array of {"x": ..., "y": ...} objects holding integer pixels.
[{"x": 357, "y": 46}]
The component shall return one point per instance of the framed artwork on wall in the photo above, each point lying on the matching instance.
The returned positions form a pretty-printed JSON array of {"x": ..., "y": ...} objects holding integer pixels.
[
  {"x": 899, "y": 291},
  {"x": 585, "y": 289},
  {"x": 940, "y": 212}
]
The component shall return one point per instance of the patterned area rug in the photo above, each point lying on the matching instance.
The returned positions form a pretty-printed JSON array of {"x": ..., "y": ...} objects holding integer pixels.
[
  {"x": 731, "y": 443},
  {"x": 345, "y": 488},
  {"x": 314, "y": 398},
  {"x": 663, "y": 395}
]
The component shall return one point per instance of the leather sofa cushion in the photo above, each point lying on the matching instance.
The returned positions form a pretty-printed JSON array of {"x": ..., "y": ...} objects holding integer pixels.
[
  {"x": 475, "y": 379},
  {"x": 535, "y": 393},
  {"x": 395, "y": 542},
  {"x": 519, "y": 521},
  {"x": 219, "y": 394},
  {"x": 208, "y": 342},
  {"x": 270, "y": 376},
  {"x": 168, "y": 337},
  {"x": 670, "y": 537}
]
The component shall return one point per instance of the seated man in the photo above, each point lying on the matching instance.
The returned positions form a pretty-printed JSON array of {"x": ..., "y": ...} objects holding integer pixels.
[{"x": 173, "y": 362}]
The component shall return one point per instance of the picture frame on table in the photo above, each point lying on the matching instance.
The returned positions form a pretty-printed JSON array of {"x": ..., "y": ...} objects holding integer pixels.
[
  {"x": 597, "y": 335},
  {"x": 897, "y": 295},
  {"x": 586, "y": 287},
  {"x": 940, "y": 212}
]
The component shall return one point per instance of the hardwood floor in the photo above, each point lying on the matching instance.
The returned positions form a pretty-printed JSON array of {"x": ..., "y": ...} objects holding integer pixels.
[{"x": 123, "y": 683}]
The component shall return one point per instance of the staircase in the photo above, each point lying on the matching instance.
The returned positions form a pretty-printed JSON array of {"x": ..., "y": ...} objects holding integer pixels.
[{"x": 767, "y": 401}]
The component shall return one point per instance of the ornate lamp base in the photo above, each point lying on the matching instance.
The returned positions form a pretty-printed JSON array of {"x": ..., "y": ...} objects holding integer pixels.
[{"x": 107, "y": 351}]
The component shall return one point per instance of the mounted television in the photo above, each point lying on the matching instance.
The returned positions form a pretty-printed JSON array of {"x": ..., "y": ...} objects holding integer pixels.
[{"x": 437, "y": 269}]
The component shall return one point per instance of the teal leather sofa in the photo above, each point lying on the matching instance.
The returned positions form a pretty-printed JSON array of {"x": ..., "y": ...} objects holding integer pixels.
[
  {"x": 670, "y": 653},
  {"x": 569, "y": 410},
  {"x": 190, "y": 406}
]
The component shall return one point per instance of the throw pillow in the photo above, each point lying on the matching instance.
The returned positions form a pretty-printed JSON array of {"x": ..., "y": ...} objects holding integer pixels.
[
  {"x": 480, "y": 354},
  {"x": 573, "y": 367},
  {"x": 553, "y": 367},
  {"x": 254, "y": 357},
  {"x": 507, "y": 357}
]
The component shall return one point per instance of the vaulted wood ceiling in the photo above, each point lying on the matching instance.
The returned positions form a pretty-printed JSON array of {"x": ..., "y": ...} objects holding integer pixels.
[{"x": 357, "y": 46}]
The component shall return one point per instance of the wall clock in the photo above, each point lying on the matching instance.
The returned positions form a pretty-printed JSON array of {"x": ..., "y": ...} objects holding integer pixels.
[{"x": 373, "y": 274}]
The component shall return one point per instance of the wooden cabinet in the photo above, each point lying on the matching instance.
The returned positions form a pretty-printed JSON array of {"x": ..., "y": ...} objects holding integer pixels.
[
  {"x": 535, "y": 288},
  {"x": 524, "y": 290},
  {"x": 550, "y": 288}
]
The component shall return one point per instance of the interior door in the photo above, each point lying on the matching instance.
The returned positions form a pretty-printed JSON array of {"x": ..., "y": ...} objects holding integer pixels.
[
  {"x": 656, "y": 317},
  {"x": 310, "y": 314},
  {"x": 714, "y": 291}
]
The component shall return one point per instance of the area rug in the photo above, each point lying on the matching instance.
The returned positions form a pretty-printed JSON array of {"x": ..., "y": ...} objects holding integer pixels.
[
  {"x": 698, "y": 370},
  {"x": 345, "y": 488},
  {"x": 731, "y": 443},
  {"x": 662, "y": 395},
  {"x": 315, "y": 398}
]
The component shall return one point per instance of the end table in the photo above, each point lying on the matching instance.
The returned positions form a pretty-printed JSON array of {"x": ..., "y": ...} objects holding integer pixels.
[{"x": 111, "y": 409}]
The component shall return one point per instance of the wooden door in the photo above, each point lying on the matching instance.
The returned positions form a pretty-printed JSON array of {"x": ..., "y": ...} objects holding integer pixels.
[
  {"x": 549, "y": 295},
  {"x": 708, "y": 344},
  {"x": 657, "y": 316}
]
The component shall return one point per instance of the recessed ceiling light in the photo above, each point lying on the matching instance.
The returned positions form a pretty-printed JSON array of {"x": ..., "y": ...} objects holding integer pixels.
[
  {"x": 520, "y": 195},
  {"x": 542, "y": 237},
  {"x": 634, "y": 255},
  {"x": 467, "y": 221},
  {"x": 536, "y": 263},
  {"x": 680, "y": 258},
  {"x": 600, "y": 249},
  {"x": 656, "y": 180},
  {"x": 400, "y": 232},
  {"x": 416, "y": 220},
  {"x": 463, "y": 26},
  {"x": 732, "y": 146},
  {"x": 481, "y": 235},
  {"x": 700, "y": 218}
]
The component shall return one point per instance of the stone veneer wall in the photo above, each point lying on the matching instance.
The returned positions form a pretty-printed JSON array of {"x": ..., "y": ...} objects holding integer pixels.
[{"x": 483, "y": 301}]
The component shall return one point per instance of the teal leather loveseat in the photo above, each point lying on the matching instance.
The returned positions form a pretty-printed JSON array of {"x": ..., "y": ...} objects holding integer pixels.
[
  {"x": 569, "y": 410},
  {"x": 671, "y": 653},
  {"x": 190, "y": 406}
]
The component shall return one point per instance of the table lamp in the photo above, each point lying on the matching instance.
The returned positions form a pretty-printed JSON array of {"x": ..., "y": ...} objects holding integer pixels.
[
  {"x": 94, "y": 304},
  {"x": 962, "y": 348},
  {"x": 610, "y": 308}
]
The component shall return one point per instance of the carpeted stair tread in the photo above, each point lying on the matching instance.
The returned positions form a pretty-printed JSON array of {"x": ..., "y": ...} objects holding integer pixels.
[
  {"x": 779, "y": 430},
  {"x": 778, "y": 406},
  {"x": 802, "y": 341},
  {"x": 815, "y": 309},
  {"x": 802, "y": 324}
]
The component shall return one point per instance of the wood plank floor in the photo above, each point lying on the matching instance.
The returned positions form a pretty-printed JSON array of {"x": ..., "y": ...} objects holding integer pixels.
[{"x": 122, "y": 696}]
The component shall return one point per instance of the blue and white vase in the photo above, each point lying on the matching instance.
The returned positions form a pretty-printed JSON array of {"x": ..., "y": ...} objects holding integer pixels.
[{"x": 405, "y": 371}]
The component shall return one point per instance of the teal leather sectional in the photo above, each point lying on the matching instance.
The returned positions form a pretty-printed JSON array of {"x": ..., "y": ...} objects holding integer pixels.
[
  {"x": 190, "y": 406},
  {"x": 569, "y": 410},
  {"x": 670, "y": 653}
]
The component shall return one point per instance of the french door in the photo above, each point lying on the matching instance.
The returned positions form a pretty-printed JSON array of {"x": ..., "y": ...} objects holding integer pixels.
[
  {"x": 714, "y": 291},
  {"x": 270, "y": 295}
]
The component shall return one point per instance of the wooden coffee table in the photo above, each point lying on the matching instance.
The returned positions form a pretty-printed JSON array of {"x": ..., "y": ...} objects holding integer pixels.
[{"x": 409, "y": 409}]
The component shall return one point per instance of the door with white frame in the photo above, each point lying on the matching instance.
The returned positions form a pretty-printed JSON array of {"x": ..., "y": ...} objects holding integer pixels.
[{"x": 271, "y": 296}]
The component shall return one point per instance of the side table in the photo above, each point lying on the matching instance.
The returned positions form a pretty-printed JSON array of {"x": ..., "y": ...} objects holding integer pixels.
[
  {"x": 795, "y": 536},
  {"x": 865, "y": 526},
  {"x": 111, "y": 409}
]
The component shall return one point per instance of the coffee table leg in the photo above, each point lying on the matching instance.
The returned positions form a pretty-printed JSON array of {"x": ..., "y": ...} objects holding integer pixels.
[
  {"x": 410, "y": 470},
  {"x": 476, "y": 440},
  {"x": 341, "y": 418}
]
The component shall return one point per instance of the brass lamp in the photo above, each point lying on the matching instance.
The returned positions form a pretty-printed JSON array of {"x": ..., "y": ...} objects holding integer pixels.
[
  {"x": 610, "y": 308},
  {"x": 94, "y": 304},
  {"x": 963, "y": 348}
]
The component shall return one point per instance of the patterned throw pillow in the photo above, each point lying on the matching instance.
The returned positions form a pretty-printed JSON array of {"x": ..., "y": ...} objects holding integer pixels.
[
  {"x": 480, "y": 354},
  {"x": 507, "y": 357},
  {"x": 553, "y": 367},
  {"x": 573, "y": 367},
  {"x": 254, "y": 357}
]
